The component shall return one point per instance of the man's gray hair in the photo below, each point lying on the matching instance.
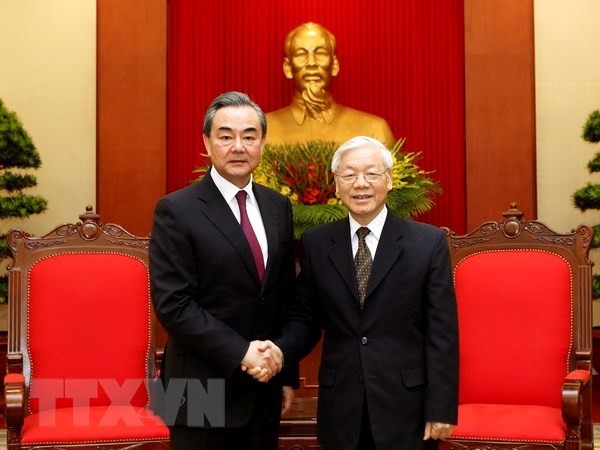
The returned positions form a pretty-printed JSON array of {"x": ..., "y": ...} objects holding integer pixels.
[
  {"x": 362, "y": 142},
  {"x": 235, "y": 99}
]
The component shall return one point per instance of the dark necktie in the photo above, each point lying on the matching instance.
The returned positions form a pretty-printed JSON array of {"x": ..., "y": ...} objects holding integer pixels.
[
  {"x": 250, "y": 236},
  {"x": 362, "y": 263}
]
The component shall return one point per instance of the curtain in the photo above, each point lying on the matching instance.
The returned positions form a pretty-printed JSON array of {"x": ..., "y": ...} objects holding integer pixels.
[{"x": 399, "y": 59}]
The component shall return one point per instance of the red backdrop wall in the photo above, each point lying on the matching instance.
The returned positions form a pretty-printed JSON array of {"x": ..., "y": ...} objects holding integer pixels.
[{"x": 399, "y": 59}]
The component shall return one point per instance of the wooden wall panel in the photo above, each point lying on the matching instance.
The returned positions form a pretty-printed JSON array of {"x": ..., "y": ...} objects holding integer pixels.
[
  {"x": 500, "y": 108},
  {"x": 131, "y": 140}
]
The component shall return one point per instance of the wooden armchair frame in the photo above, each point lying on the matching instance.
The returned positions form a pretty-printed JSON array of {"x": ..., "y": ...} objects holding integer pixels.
[
  {"x": 87, "y": 237},
  {"x": 513, "y": 233}
]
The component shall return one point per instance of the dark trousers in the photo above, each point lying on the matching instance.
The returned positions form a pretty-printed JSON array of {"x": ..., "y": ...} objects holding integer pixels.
[
  {"x": 366, "y": 442},
  {"x": 258, "y": 434}
]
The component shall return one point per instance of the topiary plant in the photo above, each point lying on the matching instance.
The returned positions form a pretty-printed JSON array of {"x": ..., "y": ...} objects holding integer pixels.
[
  {"x": 588, "y": 197},
  {"x": 17, "y": 151}
]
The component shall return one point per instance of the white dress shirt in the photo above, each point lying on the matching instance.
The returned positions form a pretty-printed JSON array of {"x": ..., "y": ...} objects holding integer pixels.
[
  {"x": 229, "y": 191},
  {"x": 372, "y": 239}
]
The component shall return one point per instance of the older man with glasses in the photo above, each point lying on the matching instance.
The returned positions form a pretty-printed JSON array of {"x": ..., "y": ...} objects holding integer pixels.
[{"x": 380, "y": 288}]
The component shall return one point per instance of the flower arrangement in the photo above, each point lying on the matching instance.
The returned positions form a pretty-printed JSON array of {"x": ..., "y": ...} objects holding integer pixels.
[{"x": 302, "y": 172}]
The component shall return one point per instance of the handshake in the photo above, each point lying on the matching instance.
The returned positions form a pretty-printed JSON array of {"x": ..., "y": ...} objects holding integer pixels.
[{"x": 263, "y": 360}]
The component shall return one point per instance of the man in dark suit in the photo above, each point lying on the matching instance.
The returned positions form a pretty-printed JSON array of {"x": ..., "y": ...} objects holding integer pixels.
[
  {"x": 222, "y": 271},
  {"x": 380, "y": 287}
]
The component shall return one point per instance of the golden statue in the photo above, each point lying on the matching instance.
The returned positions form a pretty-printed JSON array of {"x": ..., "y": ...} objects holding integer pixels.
[{"x": 310, "y": 60}]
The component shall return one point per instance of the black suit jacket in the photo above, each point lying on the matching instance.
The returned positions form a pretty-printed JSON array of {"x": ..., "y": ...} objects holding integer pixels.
[
  {"x": 207, "y": 294},
  {"x": 400, "y": 352}
]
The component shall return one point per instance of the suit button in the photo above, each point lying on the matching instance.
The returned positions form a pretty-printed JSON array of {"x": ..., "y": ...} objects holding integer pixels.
[
  {"x": 364, "y": 340},
  {"x": 360, "y": 379}
]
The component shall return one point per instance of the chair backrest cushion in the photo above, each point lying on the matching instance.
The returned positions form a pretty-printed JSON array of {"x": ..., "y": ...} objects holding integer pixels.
[
  {"x": 515, "y": 319},
  {"x": 88, "y": 329}
]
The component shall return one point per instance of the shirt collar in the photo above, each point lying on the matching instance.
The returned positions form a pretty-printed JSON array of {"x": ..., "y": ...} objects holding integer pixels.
[
  {"x": 376, "y": 225},
  {"x": 229, "y": 190}
]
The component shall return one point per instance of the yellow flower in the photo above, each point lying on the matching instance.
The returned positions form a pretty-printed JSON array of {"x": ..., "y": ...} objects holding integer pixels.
[
  {"x": 332, "y": 201},
  {"x": 259, "y": 178},
  {"x": 285, "y": 190}
]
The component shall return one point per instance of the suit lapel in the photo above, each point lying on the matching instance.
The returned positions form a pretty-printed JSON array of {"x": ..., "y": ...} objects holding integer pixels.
[
  {"x": 388, "y": 251},
  {"x": 341, "y": 255},
  {"x": 219, "y": 213}
]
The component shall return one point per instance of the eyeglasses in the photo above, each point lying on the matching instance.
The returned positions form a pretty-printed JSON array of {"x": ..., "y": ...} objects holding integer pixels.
[{"x": 369, "y": 177}]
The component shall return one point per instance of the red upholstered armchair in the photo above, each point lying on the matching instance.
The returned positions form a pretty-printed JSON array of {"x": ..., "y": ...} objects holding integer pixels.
[
  {"x": 81, "y": 346},
  {"x": 524, "y": 302}
]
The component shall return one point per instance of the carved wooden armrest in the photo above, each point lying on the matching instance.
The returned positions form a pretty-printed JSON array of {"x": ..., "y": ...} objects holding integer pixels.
[
  {"x": 14, "y": 363},
  {"x": 14, "y": 393},
  {"x": 572, "y": 402}
]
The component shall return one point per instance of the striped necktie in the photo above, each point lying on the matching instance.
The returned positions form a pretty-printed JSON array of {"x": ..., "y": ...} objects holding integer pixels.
[{"x": 362, "y": 263}]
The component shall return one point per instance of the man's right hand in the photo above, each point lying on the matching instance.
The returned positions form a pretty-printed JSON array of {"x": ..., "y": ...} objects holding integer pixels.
[{"x": 263, "y": 360}]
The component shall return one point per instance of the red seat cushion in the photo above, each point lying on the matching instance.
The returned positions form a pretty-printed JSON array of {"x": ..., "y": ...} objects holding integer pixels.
[
  {"x": 510, "y": 423},
  {"x": 515, "y": 322},
  {"x": 88, "y": 319},
  {"x": 95, "y": 424}
]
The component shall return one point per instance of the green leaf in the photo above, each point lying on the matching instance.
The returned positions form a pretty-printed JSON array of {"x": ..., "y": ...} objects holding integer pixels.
[
  {"x": 588, "y": 197},
  {"x": 308, "y": 216},
  {"x": 591, "y": 128},
  {"x": 596, "y": 241},
  {"x": 596, "y": 286},
  {"x": 15, "y": 182},
  {"x": 22, "y": 205},
  {"x": 4, "y": 289},
  {"x": 16, "y": 146}
]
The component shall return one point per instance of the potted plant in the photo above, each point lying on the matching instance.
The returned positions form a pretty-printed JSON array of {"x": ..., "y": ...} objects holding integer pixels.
[
  {"x": 17, "y": 152},
  {"x": 588, "y": 197}
]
